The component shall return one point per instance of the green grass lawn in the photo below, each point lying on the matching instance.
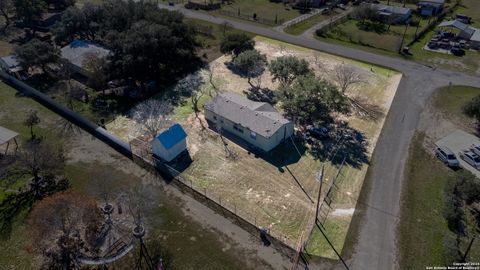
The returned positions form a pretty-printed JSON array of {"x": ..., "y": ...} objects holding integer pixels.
[
  {"x": 470, "y": 8},
  {"x": 423, "y": 228},
  {"x": 263, "y": 8},
  {"x": 303, "y": 26},
  {"x": 385, "y": 39}
]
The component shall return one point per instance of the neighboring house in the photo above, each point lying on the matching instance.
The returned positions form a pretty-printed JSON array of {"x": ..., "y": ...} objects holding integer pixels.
[
  {"x": 392, "y": 14},
  {"x": 170, "y": 143},
  {"x": 257, "y": 123},
  {"x": 465, "y": 32},
  {"x": 10, "y": 64},
  {"x": 475, "y": 40},
  {"x": 78, "y": 51},
  {"x": 430, "y": 7}
]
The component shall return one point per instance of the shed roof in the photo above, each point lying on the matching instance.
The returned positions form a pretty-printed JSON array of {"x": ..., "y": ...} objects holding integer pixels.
[
  {"x": 260, "y": 117},
  {"x": 476, "y": 36},
  {"x": 392, "y": 9},
  {"x": 77, "y": 51},
  {"x": 172, "y": 136},
  {"x": 10, "y": 61},
  {"x": 431, "y": 2},
  {"x": 6, "y": 135},
  {"x": 459, "y": 25}
]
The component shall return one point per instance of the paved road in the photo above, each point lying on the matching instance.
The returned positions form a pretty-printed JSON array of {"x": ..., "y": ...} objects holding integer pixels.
[{"x": 376, "y": 247}]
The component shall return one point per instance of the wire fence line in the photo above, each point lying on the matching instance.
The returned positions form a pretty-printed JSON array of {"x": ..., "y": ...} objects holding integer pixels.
[
  {"x": 248, "y": 222},
  {"x": 302, "y": 18},
  {"x": 279, "y": 241},
  {"x": 251, "y": 17}
]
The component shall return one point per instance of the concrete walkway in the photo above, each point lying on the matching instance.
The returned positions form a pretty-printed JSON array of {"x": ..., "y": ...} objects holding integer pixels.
[{"x": 376, "y": 242}]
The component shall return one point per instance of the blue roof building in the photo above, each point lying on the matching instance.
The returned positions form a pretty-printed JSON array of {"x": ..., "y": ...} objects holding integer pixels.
[{"x": 170, "y": 143}]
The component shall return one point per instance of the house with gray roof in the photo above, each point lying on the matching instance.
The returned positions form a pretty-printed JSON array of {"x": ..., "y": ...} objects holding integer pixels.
[
  {"x": 77, "y": 52},
  {"x": 392, "y": 14},
  {"x": 257, "y": 123}
]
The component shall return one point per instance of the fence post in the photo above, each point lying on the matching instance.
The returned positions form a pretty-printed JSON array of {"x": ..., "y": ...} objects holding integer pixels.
[
  {"x": 235, "y": 207},
  {"x": 205, "y": 192},
  {"x": 220, "y": 200}
]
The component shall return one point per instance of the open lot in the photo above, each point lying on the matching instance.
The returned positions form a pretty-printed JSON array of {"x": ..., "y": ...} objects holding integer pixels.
[{"x": 280, "y": 195}]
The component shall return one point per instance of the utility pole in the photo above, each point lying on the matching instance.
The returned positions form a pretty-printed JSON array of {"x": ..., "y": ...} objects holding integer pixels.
[
  {"x": 403, "y": 38},
  {"x": 320, "y": 178}
]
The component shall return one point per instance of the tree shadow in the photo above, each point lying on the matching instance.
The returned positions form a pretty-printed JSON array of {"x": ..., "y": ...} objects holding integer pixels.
[
  {"x": 287, "y": 153},
  {"x": 345, "y": 143},
  {"x": 261, "y": 95}
]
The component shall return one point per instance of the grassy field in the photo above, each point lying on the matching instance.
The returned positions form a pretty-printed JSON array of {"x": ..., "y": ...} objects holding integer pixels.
[
  {"x": 263, "y": 8},
  {"x": 470, "y": 8},
  {"x": 381, "y": 38},
  {"x": 423, "y": 227},
  {"x": 303, "y": 26}
]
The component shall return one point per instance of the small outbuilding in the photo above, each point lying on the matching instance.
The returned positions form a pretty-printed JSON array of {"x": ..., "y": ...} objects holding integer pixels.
[
  {"x": 170, "y": 143},
  {"x": 392, "y": 14},
  {"x": 6, "y": 137},
  {"x": 430, "y": 7},
  {"x": 78, "y": 52}
]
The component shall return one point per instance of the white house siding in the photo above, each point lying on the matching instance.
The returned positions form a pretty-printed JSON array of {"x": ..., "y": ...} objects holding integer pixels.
[
  {"x": 265, "y": 144},
  {"x": 168, "y": 154}
]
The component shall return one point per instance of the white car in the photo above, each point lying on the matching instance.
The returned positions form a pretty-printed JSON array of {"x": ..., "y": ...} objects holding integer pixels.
[
  {"x": 476, "y": 149},
  {"x": 471, "y": 158}
]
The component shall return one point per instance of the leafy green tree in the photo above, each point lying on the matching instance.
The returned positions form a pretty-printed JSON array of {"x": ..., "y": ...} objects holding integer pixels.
[
  {"x": 472, "y": 108},
  {"x": 151, "y": 51},
  {"x": 236, "y": 43},
  {"x": 37, "y": 53},
  {"x": 30, "y": 10},
  {"x": 83, "y": 23},
  {"x": 287, "y": 68},
  {"x": 310, "y": 100},
  {"x": 250, "y": 64}
]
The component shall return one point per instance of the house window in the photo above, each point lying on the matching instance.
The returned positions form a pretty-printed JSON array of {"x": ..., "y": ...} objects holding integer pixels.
[
  {"x": 238, "y": 128},
  {"x": 253, "y": 135}
]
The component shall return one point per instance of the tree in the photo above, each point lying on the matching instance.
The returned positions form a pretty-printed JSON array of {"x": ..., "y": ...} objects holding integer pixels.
[
  {"x": 30, "y": 121},
  {"x": 287, "y": 68},
  {"x": 30, "y": 11},
  {"x": 250, "y": 64},
  {"x": 310, "y": 100},
  {"x": 472, "y": 108},
  {"x": 37, "y": 53},
  {"x": 42, "y": 160},
  {"x": 346, "y": 76},
  {"x": 83, "y": 23},
  {"x": 6, "y": 9},
  {"x": 364, "y": 12},
  {"x": 96, "y": 66},
  {"x": 61, "y": 227},
  {"x": 61, "y": 4},
  {"x": 236, "y": 43},
  {"x": 153, "y": 115},
  {"x": 192, "y": 85}
]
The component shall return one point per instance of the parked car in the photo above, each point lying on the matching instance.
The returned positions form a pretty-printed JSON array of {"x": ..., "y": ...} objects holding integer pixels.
[
  {"x": 318, "y": 132},
  {"x": 447, "y": 156},
  {"x": 476, "y": 149},
  {"x": 471, "y": 158}
]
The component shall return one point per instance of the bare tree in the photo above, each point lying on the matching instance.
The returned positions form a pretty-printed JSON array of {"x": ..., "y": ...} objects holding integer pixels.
[
  {"x": 42, "y": 160},
  {"x": 153, "y": 115},
  {"x": 229, "y": 153},
  {"x": 30, "y": 121},
  {"x": 61, "y": 227},
  {"x": 346, "y": 76},
  {"x": 192, "y": 85}
]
